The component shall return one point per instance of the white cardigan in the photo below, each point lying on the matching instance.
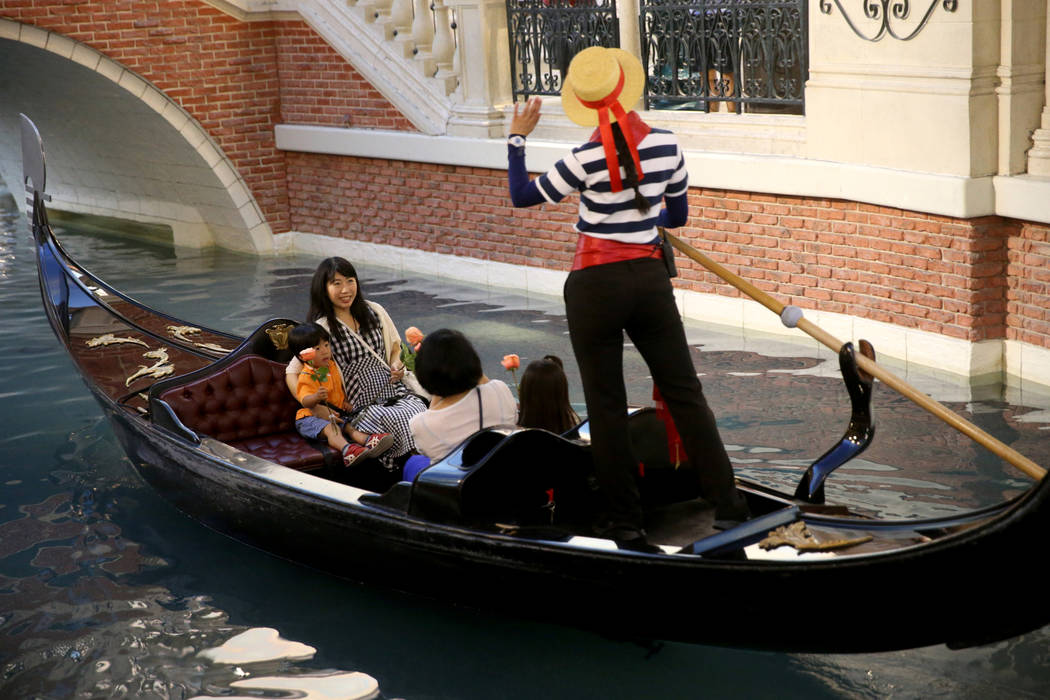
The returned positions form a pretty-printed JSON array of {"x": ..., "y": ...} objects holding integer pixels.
[{"x": 391, "y": 338}]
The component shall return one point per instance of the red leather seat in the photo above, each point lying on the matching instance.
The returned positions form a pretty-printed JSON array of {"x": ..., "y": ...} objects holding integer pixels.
[{"x": 247, "y": 405}]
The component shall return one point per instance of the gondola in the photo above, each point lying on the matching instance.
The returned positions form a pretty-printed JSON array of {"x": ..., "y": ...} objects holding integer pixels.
[{"x": 502, "y": 522}]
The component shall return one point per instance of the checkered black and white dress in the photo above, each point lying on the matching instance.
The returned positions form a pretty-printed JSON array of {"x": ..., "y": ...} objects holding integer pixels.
[{"x": 383, "y": 407}]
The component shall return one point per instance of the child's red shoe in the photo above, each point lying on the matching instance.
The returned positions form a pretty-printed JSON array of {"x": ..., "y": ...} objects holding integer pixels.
[
  {"x": 378, "y": 443},
  {"x": 353, "y": 453}
]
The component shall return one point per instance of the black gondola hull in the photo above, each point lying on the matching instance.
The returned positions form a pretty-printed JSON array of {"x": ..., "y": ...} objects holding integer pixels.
[{"x": 957, "y": 592}]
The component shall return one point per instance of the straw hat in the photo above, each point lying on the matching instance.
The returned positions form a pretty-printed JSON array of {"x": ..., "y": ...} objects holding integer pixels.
[{"x": 593, "y": 76}]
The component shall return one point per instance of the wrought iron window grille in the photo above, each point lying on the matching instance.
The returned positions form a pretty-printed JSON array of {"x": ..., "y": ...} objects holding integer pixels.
[
  {"x": 546, "y": 34},
  {"x": 750, "y": 55}
]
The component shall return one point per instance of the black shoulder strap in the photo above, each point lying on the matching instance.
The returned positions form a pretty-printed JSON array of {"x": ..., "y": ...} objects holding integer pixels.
[{"x": 481, "y": 410}]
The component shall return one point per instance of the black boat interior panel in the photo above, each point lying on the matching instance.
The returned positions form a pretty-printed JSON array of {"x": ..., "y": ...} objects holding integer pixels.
[{"x": 525, "y": 476}]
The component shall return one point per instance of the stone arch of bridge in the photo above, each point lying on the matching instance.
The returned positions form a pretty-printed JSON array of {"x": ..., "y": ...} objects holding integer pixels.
[{"x": 119, "y": 146}]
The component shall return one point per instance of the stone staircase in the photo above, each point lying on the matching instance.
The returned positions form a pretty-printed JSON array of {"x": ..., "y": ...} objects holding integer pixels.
[{"x": 406, "y": 49}]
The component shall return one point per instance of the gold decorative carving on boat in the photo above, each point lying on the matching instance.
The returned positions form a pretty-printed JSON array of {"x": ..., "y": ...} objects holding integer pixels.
[
  {"x": 180, "y": 333},
  {"x": 279, "y": 335},
  {"x": 161, "y": 368},
  {"x": 110, "y": 339},
  {"x": 212, "y": 346},
  {"x": 797, "y": 535}
]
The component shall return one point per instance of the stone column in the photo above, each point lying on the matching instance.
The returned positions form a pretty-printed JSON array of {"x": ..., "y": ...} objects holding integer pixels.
[
  {"x": 630, "y": 37},
  {"x": 1020, "y": 91},
  {"x": 484, "y": 59},
  {"x": 1039, "y": 155}
]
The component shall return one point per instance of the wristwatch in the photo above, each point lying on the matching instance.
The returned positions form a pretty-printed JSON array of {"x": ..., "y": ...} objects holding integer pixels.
[{"x": 516, "y": 140}]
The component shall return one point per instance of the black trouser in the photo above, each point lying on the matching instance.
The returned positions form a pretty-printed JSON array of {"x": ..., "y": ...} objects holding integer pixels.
[{"x": 636, "y": 296}]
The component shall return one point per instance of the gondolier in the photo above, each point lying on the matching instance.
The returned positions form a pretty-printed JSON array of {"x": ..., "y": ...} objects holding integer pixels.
[{"x": 619, "y": 281}]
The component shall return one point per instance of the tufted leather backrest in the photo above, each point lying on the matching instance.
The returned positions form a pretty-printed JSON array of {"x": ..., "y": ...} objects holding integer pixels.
[{"x": 247, "y": 399}]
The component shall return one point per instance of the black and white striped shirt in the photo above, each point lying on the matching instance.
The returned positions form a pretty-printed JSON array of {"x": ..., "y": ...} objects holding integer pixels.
[{"x": 614, "y": 215}]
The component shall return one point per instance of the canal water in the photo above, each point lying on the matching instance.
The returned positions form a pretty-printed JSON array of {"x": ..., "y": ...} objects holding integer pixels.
[{"x": 107, "y": 591}]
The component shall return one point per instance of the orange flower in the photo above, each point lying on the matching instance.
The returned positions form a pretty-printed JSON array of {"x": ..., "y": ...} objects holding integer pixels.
[
  {"x": 307, "y": 354},
  {"x": 510, "y": 363},
  {"x": 414, "y": 336}
]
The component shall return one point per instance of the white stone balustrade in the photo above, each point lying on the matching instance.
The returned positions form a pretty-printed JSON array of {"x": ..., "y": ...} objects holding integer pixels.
[
  {"x": 443, "y": 47},
  {"x": 1039, "y": 155},
  {"x": 444, "y": 42},
  {"x": 423, "y": 25},
  {"x": 376, "y": 10},
  {"x": 401, "y": 25},
  {"x": 484, "y": 76}
]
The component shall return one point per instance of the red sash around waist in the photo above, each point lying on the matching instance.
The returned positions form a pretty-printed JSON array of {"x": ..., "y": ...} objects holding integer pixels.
[{"x": 591, "y": 251}]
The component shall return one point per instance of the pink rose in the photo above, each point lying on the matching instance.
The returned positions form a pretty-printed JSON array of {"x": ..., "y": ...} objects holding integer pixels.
[
  {"x": 511, "y": 362},
  {"x": 414, "y": 336}
]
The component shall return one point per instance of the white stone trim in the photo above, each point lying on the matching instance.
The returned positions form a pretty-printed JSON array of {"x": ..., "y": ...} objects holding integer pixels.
[
  {"x": 34, "y": 36},
  {"x": 1021, "y": 197},
  {"x": 401, "y": 145},
  {"x": 1027, "y": 361},
  {"x": 61, "y": 45},
  {"x": 253, "y": 238},
  {"x": 923, "y": 80},
  {"x": 10, "y": 30},
  {"x": 1024, "y": 197},
  {"x": 473, "y": 270},
  {"x": 953, "y": 358}
]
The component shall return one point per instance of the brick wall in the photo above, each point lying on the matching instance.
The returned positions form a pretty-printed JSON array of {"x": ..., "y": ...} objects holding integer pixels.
[
  {"x": 933, "y": 273},
  {"x": 238, "y": 79},
  {"x": 436, "y": 208},
  {"x": 922, "y": 271},
  {"x": 1028, "y": 291},
  {"x": 319, "y": 87}
]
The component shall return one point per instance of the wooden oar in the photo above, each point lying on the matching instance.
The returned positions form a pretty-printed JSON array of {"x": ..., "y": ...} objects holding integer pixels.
[{"x": 793, "y": 317}]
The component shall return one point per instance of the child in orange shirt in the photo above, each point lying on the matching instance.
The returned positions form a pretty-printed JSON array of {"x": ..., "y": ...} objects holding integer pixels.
[{"x": 319, "y": 390}]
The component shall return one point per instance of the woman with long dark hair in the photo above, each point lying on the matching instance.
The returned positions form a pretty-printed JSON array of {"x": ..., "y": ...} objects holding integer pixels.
[
  {"x": 367, "y": 348},
  {"x": 619, "y": 281},
  {"x": 544, "y": 394}
]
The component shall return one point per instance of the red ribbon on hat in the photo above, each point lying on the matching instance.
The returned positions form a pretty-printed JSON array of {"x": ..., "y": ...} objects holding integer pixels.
[{"x": 612, "y": 161}]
